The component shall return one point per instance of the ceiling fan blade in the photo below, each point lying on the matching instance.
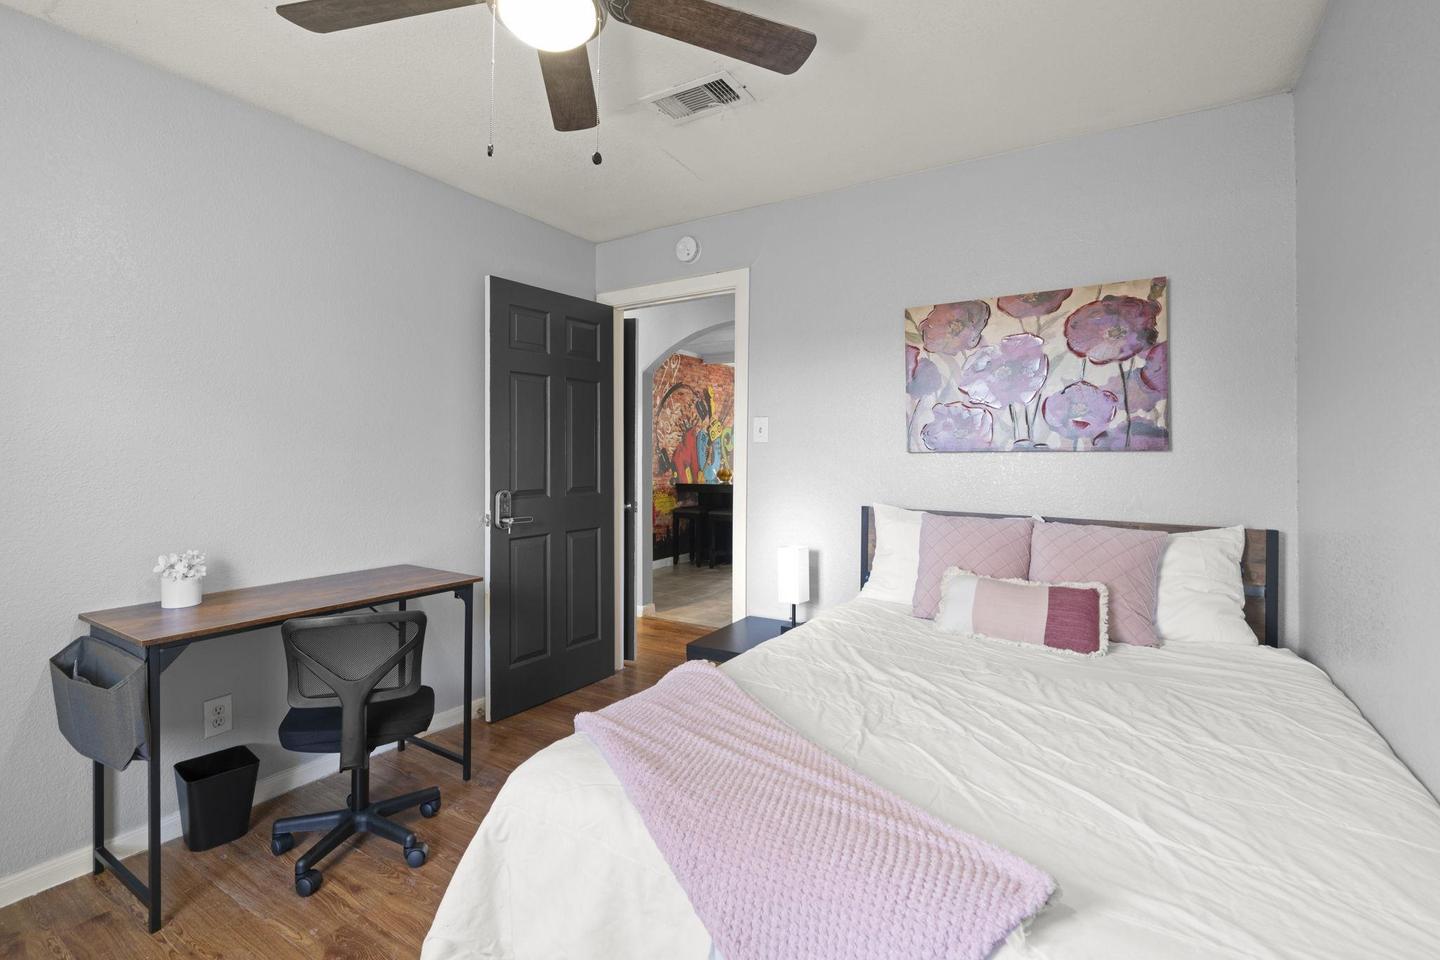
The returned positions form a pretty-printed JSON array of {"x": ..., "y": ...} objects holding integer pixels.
[
  {"x": 327, "y": 16},
  {"x": 719, "y": 29},
  {"x": 570, "y": 89}
]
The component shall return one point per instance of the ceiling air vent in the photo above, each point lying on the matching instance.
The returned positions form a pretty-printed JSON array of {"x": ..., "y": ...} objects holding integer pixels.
[{"x": 699, "y": 97}]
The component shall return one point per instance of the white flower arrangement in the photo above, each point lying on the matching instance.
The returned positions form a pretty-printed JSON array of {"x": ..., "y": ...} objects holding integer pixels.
[{"x": 189, "y": 565}]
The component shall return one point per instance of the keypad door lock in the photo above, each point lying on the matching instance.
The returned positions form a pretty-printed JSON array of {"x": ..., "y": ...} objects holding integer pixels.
[{"x": 504, "y": 514}]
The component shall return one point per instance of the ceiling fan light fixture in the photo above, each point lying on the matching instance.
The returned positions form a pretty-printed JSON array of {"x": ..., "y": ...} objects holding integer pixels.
[{"x": 550, "y": 25}]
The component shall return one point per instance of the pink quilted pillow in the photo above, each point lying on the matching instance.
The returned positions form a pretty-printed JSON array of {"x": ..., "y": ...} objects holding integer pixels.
[
  {"x": 1126, "y": 561},
  {"x": 990, "y": 547}
]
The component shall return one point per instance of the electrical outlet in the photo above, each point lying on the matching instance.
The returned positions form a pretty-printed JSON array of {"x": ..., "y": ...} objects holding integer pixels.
[{"x": 217, "y": 716}]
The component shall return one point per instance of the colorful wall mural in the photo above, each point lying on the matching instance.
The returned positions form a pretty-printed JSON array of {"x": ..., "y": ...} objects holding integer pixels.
[
  {"x": 1072, "y": 370},
  {"x": 693, "y": 417}
]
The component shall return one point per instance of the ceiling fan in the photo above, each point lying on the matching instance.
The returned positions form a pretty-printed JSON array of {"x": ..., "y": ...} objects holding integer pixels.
[{"x": 559, "y": 30}]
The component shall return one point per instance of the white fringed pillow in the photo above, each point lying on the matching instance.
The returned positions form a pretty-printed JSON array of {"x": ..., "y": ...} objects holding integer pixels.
[{"x": 1067, "y": 617}]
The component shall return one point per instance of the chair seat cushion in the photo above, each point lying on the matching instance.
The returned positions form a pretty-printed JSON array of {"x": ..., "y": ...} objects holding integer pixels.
[{"x": 317, "y": 729}]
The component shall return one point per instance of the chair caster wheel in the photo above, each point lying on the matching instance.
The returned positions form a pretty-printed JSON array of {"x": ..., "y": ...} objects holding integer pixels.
[
  {"x": 429, "y": 808},
  {"x": 308, "y": 882},
  {"x": 282, "y": 842},
  {"x": 415, "y": 856}
]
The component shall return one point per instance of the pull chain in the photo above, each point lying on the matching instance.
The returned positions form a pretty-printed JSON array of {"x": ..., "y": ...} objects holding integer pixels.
[
  {"x": 597, "y": 159},
  {"x": 494, "y": 29}
]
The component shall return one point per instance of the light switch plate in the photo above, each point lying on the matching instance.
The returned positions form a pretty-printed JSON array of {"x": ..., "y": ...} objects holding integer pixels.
[
  {"x": 217, "y": 716},
  {"x": 760, "y": 431}
]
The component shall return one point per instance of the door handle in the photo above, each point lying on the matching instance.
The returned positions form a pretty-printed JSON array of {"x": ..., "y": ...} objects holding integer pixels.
[{"x": 503, "y": 518}]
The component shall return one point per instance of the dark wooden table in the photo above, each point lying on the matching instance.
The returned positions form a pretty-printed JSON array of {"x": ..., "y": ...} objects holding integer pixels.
[
  {"x": 158, "y": 636},
  {"x": 706, "y": 496},
  {"x": 732, "y": 640}
]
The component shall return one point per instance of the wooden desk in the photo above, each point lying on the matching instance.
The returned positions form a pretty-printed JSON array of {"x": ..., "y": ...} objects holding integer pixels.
[
  {"x": 711, "y": 496},
  {"x": 158, "y": 636}
]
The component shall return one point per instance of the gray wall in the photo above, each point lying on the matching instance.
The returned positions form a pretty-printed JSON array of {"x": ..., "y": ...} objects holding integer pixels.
[
  {"x": 1367, "y": 133},
  {"x": 1207, "y": 199},
  {"x": 222, "y": 331},
  {"x": 659, "y": 332}
]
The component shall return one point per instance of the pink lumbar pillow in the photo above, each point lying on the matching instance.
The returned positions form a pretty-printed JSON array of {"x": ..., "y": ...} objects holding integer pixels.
[
  {"x": 1069, "y": 617},
  {"x": 1126, "y": 561},
  {"x": 989, "y": 546}
]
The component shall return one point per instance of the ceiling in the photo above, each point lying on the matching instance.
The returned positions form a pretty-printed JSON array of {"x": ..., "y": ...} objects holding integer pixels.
[
  {"x": 716, "y": 345},
  {"x": 893, "y": 87}
]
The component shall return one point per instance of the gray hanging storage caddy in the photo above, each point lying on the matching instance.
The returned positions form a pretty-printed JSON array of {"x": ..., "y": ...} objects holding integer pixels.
[{"x": 100, "y": 700}]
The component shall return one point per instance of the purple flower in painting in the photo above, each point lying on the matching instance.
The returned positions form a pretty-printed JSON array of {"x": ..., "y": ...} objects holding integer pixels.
[
  {"x": 958, "y": 427},
  {"x": 1040, "y": 304},
  {"x": 1011, "y": 371},
  {"x": 1112, "y": 328},
  {"x": 1080, "y": 411},
  {"x": 925, "y": 380},
  {"x": 955, "y": 327},
  {"x": 1156, "y": 372},
  {"x": 1143, "y": 435},
  {"x": 1139, "y": 393}
]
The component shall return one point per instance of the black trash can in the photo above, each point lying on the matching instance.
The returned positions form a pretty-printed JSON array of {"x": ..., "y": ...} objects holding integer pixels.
[{"x": 215, "y": 793}]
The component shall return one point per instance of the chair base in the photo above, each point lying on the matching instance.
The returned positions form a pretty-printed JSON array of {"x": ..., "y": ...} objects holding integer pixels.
[{"x": 361, "y": 816}]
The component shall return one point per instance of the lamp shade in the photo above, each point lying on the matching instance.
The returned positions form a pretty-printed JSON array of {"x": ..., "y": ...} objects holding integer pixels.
[{"x": 792, "y": 567}]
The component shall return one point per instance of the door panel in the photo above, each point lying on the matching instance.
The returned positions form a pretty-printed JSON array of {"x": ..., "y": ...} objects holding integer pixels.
[
  {"x": 582, "y": 339},
  {"x": 552, "y": 575},
  {"x": 529, "y": 446},
  {"x": 584, "y": 566},
  {"x": 582, "y": 436},
  {"x": 529, "y": 330}
]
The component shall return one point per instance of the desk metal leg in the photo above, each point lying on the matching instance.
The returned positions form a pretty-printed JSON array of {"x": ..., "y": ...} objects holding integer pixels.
[
  {"x": 152, "y": 745},
  {"x": 97, "y": 794},
  {"x": 400, "y": 605},
  {"x": 466, "y": 595},
  {"x": 104, "y": 859}
]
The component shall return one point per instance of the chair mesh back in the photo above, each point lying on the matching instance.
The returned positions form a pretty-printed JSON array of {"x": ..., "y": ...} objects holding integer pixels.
[{"x": 351, "y": 647}]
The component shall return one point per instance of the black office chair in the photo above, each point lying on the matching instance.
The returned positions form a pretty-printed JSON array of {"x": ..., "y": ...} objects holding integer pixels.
[{"x": 354, "y": 685}]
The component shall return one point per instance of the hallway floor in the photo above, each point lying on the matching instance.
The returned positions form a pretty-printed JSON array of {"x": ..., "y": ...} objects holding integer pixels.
[{"x": 686, "y": 593}]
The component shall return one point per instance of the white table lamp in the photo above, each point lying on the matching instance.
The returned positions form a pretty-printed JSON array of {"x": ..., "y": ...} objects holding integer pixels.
[{"x": 792, "y": 566}]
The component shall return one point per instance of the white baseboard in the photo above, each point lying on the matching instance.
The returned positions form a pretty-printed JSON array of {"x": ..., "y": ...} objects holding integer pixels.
[
  {"x": 76, "y": 863},
  {"x": 645, "y": 610}
]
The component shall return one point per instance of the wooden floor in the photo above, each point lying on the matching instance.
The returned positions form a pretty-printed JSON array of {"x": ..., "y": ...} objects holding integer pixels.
[
  {"x": 687, "y": 593},
  {"x": 239, "y": 901}
]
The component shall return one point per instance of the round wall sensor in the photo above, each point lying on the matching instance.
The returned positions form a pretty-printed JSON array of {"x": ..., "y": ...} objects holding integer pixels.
[{"x": 687, "y": 249}]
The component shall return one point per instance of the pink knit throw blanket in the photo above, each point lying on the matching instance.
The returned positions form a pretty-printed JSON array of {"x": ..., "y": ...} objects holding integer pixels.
[{"x": 786, "y": 853}]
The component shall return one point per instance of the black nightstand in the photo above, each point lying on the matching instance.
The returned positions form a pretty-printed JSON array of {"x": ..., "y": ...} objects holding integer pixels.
[{"x": 734, "y": 640}]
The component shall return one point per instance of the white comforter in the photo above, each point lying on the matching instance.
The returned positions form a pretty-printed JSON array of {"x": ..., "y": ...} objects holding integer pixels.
[{"x": 1192, "y": 802}]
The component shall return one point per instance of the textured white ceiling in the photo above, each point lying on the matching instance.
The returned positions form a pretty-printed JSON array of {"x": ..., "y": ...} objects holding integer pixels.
[{"x": 892, "y": 87}]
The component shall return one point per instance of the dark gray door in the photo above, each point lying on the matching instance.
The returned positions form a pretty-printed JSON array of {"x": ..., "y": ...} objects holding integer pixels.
[{"x": 552, "y": 531}]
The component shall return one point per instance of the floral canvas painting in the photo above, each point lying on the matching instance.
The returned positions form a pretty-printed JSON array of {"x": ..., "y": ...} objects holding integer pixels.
[{"x": 1082, "y": 369}]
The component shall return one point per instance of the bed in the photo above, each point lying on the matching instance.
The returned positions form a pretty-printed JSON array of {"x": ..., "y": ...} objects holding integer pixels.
[{"x": 1192, "y": 802}]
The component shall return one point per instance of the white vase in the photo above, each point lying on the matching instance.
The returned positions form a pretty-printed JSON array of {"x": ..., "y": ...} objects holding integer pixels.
[{"x": 179, "y": 593}]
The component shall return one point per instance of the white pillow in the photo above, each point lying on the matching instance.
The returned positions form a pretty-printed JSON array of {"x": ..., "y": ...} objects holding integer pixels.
[
  {"x": 897, "y": 555},
  {"x": 1201, "y": 597}
]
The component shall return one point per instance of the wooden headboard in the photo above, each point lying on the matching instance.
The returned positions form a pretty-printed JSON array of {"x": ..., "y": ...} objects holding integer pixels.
[{"x": 1259, "y": 565}]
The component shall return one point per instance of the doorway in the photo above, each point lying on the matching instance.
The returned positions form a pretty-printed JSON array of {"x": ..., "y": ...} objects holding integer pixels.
[
  {"x": 704, "y": 323},
  {"x": 685, "y": 425}
]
